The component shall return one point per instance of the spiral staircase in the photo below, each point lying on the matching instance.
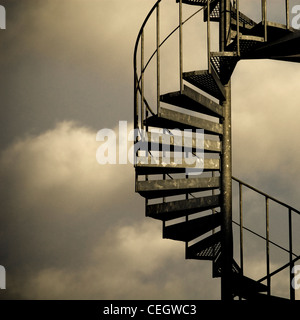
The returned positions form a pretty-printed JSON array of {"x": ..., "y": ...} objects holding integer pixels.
[{"x": 190, "y": 189}]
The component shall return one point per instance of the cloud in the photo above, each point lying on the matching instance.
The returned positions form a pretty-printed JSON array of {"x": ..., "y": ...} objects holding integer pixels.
[{"x": 74, "y": 229}]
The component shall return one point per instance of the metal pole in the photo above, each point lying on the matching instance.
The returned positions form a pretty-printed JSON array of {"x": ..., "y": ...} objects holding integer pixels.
[
  {"x": 180, "y": 47},
  {"x": 238, "y": 26},
  {"x": 241, "y": 229},
  {"x": 292, "y": 290},
  {"x": 208, "y": 36},
  {"x": 268, "y": 247},
  {"x": 158, "y": 57},
  {"x": 287, "y": 10},
  {"x": 142, "y": 81},
  {"x": 226, "y": 169},
  {"x": 264, "y": 17}
]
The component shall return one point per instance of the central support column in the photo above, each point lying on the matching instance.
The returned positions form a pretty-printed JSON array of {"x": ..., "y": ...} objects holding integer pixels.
[
  {"x": 226, "y": 191},
  {"x": 226, "y": 169}
]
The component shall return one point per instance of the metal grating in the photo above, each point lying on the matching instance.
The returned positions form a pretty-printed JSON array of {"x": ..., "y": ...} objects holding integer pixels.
[
  {"x": 224, "y": 66},
  {"x": 205, "y": 82},
  {"x": 243, "y": 18},
  {"x": 246, "y": 45},
  {"x": 215, "y": 12},
  {"x": 194, "y": 2}
]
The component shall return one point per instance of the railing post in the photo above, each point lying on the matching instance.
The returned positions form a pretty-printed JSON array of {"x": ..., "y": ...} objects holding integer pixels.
[
  {"x": 287, "y": 12},
  {"x": 241, "y": 229},
  {"x": 158, "y": 56},
  {"x": 292, "y": 290},
  {"x": 264, "y": 17},
  {"x": 180, "y": 47},
  {"x": 142, "y": 80},
  {"x": 238, "y": 26},
  {"x": 268, "y": 247},
  {"x": 208, "y": 37}
]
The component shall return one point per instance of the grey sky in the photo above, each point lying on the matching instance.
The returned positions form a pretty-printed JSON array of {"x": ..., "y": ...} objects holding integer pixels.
[{"x": 71, "y": 228}]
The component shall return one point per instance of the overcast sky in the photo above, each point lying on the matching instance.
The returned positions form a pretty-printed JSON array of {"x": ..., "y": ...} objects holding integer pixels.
[{"x": 73, "y": 229}]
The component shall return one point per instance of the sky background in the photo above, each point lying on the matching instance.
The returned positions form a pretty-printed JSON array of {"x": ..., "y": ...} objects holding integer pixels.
[{"x": 71, "y": 228}]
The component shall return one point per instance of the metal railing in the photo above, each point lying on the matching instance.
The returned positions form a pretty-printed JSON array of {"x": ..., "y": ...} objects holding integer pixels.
[
  {"x": 292, "y": 256},
  {"x": 140, "y": 109}
]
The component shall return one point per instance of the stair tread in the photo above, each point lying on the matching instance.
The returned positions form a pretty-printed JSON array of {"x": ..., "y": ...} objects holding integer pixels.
[
  {"x": 208, "y": 82},
  {"x": 247, "y": 44},
  {"x": 245, "y": 21},
  {"x": 214, "y": 12},
  {"x": 175, "y": 140},
  {"x": 189, "y": 230},
  {"x": 159, "y": 188},
  {"x": 205, "y": 249},
  {"x": 283, "y": 48},
  {"x": 180, "y": 208},
  {"x": 192, "y": 100},
  {"x": 156, "y": 165},
  {"x": 224, "y": 64},
  {"x": 194, "y": 2},
  {"x": 172, "y": 119}
]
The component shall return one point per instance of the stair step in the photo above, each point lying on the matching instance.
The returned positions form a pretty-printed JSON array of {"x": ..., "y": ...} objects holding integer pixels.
[
  {"x": 247, "y": 44},
  {"x": 189, "y": 230},
  {"x": 176, "y": 209},
  {"x": 152, "y": 189},
  {"x": 172, "y": 119},
  {"x": 155, "y": 165},
  {"x": 245, "y": 22},
  {"x": 192, "y": 100},
  {"x": 156, "y": 139},
  {"x": 274, "y": 30},
  {"x": 246, "y": 287},
  {"x": 208, "y": 82},
  {"x": 224, "y": 64},
  {"x": 285, "y": 48},
  {"x": 205, "y": 249},
  {"x": 214, "y": 12},
  {"x": 194, "y": 2}
]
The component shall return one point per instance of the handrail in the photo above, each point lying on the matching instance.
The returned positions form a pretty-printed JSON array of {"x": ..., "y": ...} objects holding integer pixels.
[
  {"x": 138, "y": 79},
  {"x": 266, "y": 238},
  {"x": 136, "y": 85},
  {"x": 266, "y": 195}
]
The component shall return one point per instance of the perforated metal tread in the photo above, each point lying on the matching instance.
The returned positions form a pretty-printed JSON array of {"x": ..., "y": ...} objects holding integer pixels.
[
  {"x": 214, "y": 12},
  {"x": 224, "y": 64},
  {"x": 190, "y": 99},
  {"x": 247, "y": 44},
  {"x": 195, "y": 2},
  {"x": 206, "y": 249},
  {"x": 205, "y": 81}
]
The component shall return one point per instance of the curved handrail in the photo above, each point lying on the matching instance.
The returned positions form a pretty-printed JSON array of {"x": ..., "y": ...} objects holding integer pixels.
[
  {"x": 138, "y": 79},
  {"x": 136, "y": 86}
]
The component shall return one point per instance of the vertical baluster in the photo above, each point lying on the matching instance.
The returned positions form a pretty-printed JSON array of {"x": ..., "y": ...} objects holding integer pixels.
[
  {"x": 241, "y": 229},
  {"x": 238, "y": 26},
  {"x": 287, "y": 11},
  {"x": 142, "y": 80},
  {"x": 268, "y": 247},
  {"x": 292, "y": 290},
  {"x": 208, "y": 36},
  {"x": 264, "y": 17},
  {"x": 180, "y": 47},
  {"x": 158, "y": 56}
]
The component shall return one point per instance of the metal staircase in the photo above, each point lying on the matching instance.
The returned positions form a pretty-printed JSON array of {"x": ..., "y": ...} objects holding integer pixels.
[{"x": 187, "y": 180}]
